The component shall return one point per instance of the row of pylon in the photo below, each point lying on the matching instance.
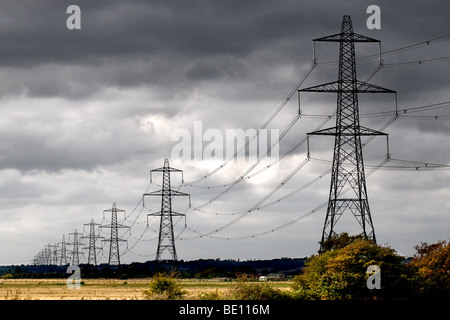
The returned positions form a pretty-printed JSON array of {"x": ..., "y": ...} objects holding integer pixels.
[
  {"x": 60, "y": 254},
  {"x": 69, "y": 252}
]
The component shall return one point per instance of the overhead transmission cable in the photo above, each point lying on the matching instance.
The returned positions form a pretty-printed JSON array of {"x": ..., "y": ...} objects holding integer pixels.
[
  {"x": 277, "y": 188},
  {"x": 259, "y": 205},
  {"x": 266, "y": 123},
  {"x": 241, "y": 178},
  {"x": 395, "y": 51},
  {"x": 292, "y": 91},
  {"x": 303, "y": 216},
  {"x": 401, "y": 113}
]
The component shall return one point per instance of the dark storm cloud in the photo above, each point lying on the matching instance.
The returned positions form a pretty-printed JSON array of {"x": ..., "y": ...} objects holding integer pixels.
[
  {"x": 145, "y": 41},
  {"x": 112, "y": 28},
  {"x": 35, "y": 33},
  {"x": 170, "y": 42},
  {"x": 174, "y": 48}
]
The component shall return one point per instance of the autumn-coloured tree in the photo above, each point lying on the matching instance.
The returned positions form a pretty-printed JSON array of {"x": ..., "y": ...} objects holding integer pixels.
[
  {"x": 431, "y": 270},
  {"x": 341, "y": 272}
]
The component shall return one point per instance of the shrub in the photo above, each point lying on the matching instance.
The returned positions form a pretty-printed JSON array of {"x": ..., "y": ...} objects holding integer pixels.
[
  {"x": 212, "y": 295},
  {"x": 164, "y": 286},
  {"x": 246, "y": 290}
]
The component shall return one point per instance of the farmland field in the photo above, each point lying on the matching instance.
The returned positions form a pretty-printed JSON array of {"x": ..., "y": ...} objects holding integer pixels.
[{"x": 105, "y": 289}]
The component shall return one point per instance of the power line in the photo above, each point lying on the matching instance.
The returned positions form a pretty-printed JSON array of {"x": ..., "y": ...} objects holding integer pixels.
[
  {"x": 401, "y": 112},
  {"x": 241, "y": 178},
  {"x": 395, "y": 51},
  {"x": 291, "y": 93},
  {"x": 413, "y": 165},
  {"x": 416, "y": 62},
  {"x": 285, "y": 225},
  {"x": 259, "y": 203},
  {"x": 261, "y": 206},
  {"x": 266, "y": 123}
]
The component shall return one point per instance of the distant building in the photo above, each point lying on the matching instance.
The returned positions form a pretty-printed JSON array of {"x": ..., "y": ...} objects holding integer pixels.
[{"x": 276, "y": 276}]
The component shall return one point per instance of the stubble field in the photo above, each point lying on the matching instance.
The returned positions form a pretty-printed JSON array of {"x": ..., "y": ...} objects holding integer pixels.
[{"x": 105, "y": 289}]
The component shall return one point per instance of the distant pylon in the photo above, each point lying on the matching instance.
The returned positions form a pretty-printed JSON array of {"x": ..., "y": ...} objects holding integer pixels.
[
  {"x": 114, "y": 254},
  {"x": 93, "y": 236},
  {"x": 54, "y": 255},
  {"x": 75, "y": 247},
  {"x": 166, "y": 239},
  {"x": 48, "y": 254},
  {"x": 63, "y": 257},
  {"x": 348, "y": 166}
]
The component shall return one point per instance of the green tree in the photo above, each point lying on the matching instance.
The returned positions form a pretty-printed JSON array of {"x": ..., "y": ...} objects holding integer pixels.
[
  {"x": 340, "y": 272},
  {"x": 339, "y": 241}
]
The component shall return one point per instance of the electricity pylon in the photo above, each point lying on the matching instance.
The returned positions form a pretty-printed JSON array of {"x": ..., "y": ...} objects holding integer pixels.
[
  {"x": 348, "y": 165},
  {"x": 114, "y": 254},
  {"x": 54, "y": 254},
  {"x": 63, "y": 257},
  {"x": 48, "y": 254},
  {"x": 166, "y": 239},
  {"x": 92, "y": 255},
  {"x": 75, "y": 247}
]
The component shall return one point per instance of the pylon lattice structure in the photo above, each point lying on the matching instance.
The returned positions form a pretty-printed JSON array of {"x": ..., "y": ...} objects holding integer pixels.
[
  {"x": 75, "y": 247},
  {"x": 54, "y": 254},
  {"x": 48, "y": 255},
  {"x": 63, "y": 256},
  {"x": 166, "y": 239},
  {"x": 348, "y": 165},
  {"x": 93, "y": 236},
  {"x": 114, "y": 254}
]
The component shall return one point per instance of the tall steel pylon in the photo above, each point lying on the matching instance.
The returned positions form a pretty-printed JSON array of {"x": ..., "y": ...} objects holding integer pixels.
[
  {"x": 114, "y": 254},
  {"x": 166, "y": 239},
  {"x": 93, "y": 236},
  {"x": 63, "y": 257},
  {"x": 54, "y": 254},
  {"x": 75, "y": 247},
  {"x": 348, "y": 165},
  {"x": 48, "y": 254}
]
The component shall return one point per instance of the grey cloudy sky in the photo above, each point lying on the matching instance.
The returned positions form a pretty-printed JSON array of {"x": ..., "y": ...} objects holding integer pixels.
[{"x": 87, "y": 113}]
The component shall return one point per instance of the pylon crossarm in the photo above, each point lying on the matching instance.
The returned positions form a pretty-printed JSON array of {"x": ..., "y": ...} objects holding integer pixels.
[
  {"x": 334, "y": 87},
  {"x": 365, "y": 87},
  {"x": 339, "y": 36}
]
